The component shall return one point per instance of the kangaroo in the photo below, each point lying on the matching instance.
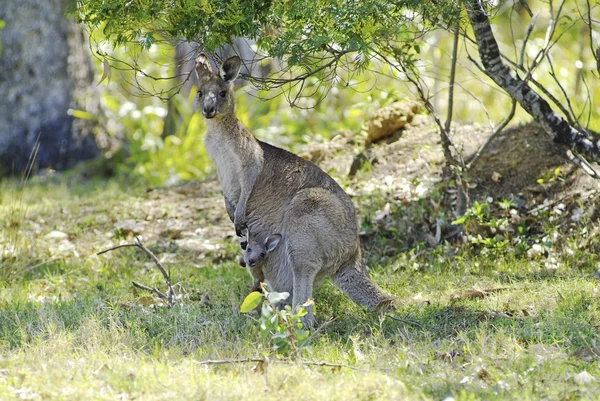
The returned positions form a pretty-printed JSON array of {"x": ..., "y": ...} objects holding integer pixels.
[
  {"x": 254, "y": 256},
  {"x": 270, "y": 190}
]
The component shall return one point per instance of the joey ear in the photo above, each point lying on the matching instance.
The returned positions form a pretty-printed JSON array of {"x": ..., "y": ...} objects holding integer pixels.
[
  {"x": 203, "y": 68},
  {"x": 272, "y": 241},
  {"x": 230, "y": 69}
]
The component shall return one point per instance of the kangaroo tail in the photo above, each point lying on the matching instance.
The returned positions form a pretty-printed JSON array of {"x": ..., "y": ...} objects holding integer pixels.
[{"x": 352, "y": 278}]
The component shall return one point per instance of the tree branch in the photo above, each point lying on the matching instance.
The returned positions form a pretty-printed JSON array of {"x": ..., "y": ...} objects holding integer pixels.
[{"x": 518, "y": 89}]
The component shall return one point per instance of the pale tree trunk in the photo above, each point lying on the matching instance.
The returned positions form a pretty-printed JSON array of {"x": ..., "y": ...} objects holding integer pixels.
[
  {"x": 45, "y": 70},
  {"x": 519, "y": 90}
]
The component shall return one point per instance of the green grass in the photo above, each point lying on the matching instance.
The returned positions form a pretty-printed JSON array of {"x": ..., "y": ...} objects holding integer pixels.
[{"x": 71, "y": 327}]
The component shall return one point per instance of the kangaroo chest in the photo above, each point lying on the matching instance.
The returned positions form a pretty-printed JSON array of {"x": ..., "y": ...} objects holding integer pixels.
[{"x": 224, "y": 155}]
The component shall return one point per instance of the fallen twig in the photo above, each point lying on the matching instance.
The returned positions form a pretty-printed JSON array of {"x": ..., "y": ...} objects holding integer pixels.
[
  {"x": 230, "y": 361},
  {"x": 170, "y": 296},
  {"x": 267, "y": 360},
  {"x": 404, "y": 321}
]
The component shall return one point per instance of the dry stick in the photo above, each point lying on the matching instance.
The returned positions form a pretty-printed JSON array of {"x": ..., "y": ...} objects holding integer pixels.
[
  {"x": 170, "y": 293},
  {"x": 282, "y": 360},
  {"x": 230, "y": 361},
  {"x": 404, "y": 321}
]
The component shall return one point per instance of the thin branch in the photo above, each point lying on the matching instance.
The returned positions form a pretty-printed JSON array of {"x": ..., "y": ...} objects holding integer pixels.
[
  {"x": 526, "y": 7},
  {"x": 526, "y": 38},
  {"x": 588, "y": 101},
  {"x": 155, "y": 290},
  {"x": 552, "y": 22},
  {"x": 582, "y": 163},
  {"x": 454, "y": 163},
  {"x": 494, "y": 133},
  {"x": 412, "y": 323},
  {"x": 115, "y": 247},
  {"x": 268, "y": 360},
  {"x": 230, "y": 361},
  {"x": 564, "y": 92},
  {"x": 452, "y": 78},
  {"x": 539, "y": 86},
  {"x": 170, "y": 296}
]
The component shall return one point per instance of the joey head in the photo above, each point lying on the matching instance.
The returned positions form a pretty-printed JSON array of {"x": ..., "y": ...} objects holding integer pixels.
[{"x": 254, "y": 256}]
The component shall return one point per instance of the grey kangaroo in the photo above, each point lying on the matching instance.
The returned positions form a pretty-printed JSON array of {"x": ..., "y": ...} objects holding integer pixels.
[
  {"x": 270, "y": 190},
  {"x": 254, "y": 256}
]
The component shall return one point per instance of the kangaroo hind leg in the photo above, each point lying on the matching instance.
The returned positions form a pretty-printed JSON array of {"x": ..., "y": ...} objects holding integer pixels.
[{"x": 304, "y": 279}]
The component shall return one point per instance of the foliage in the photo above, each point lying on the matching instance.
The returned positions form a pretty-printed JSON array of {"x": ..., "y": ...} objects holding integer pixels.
[
  {"x": 298, "y": 32},
  {"x": 280, "y": 326},
  {"x": 172, "y": 158},
  {"x": 333, "y": 40},
  {"x": 492, "y": 232}
]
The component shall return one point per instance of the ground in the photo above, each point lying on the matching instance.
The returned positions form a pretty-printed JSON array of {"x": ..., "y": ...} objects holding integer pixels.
[{"x": 506, "y": 310}]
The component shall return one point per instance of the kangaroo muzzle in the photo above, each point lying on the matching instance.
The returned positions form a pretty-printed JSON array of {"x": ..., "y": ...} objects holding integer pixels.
[{"x": 209, "y": 106}]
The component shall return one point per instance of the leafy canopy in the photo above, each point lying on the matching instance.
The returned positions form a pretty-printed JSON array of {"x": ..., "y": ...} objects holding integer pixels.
[{"x": 292, "y": 30}]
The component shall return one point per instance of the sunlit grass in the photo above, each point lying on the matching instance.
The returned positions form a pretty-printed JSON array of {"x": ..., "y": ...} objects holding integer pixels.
[{"x": 71, "y": 328}]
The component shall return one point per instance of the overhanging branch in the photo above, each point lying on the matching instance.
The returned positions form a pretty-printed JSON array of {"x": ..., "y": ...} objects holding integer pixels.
[{"x": 519, "y": 90}]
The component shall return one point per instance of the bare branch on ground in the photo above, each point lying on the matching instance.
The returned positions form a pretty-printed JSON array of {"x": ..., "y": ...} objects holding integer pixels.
[{"x": 169, "y": 297}]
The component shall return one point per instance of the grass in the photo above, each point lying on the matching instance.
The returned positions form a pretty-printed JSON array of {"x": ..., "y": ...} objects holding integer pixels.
[{"x": 71, "y": 327}]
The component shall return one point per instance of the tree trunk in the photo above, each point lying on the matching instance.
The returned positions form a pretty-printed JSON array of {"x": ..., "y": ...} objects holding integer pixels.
[
  {"x": 45, "y": 70},
  {"x": 533, "y": 103}
]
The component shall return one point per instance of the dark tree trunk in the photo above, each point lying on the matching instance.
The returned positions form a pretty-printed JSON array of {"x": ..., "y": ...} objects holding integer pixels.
[
  {"x": 45, "y": 70},
  {"x": 533, "y": 103}
]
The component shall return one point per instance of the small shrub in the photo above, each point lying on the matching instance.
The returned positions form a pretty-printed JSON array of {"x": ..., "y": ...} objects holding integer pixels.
[{"x": 281, "y": 328}]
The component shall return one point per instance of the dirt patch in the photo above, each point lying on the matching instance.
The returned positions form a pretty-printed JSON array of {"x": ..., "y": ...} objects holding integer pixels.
[{"x": 522, "y": 161}]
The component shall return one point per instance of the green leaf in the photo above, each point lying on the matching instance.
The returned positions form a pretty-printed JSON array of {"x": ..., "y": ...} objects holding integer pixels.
[
  {"x": 105, "y": 71},
  {"x": 460, "y": 220},
  {"x": 84, "y": 115},
  {"x": 251, "y": 301}
]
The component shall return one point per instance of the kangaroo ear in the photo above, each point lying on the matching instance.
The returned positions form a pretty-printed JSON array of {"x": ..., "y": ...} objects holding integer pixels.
[
  {"x": 272, "y": 241},
  {"x": 246, "y": 233},
  {"x": 230, "y": 69},
  {"x": 203, "y": 69}
]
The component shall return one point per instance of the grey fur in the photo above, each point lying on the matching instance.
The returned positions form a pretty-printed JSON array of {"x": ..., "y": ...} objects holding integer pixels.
[{"x": 270, "y": 190}]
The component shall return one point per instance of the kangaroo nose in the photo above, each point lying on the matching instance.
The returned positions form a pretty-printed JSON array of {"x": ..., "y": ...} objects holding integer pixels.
[{"x": 208, "y": 110}]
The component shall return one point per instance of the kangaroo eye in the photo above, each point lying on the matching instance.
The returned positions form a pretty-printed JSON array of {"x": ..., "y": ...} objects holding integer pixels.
[
  {"x": 262, "y": 255},
  {"x": 248, "y": 250},
  {"x": 223, "y": 93},
  {"x": 200, "y": 93}
]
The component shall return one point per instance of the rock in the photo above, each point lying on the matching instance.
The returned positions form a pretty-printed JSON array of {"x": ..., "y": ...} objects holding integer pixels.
[
  {"x": 583, "y": 378},
  {"x": 56, "y": 235},
  {"x": 388, "y": 120}
]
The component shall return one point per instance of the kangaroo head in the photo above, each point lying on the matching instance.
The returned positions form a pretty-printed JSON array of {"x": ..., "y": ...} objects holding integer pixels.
[
  {"x": 215, "y": 94},
  {"x": 256, "y": 251}
]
